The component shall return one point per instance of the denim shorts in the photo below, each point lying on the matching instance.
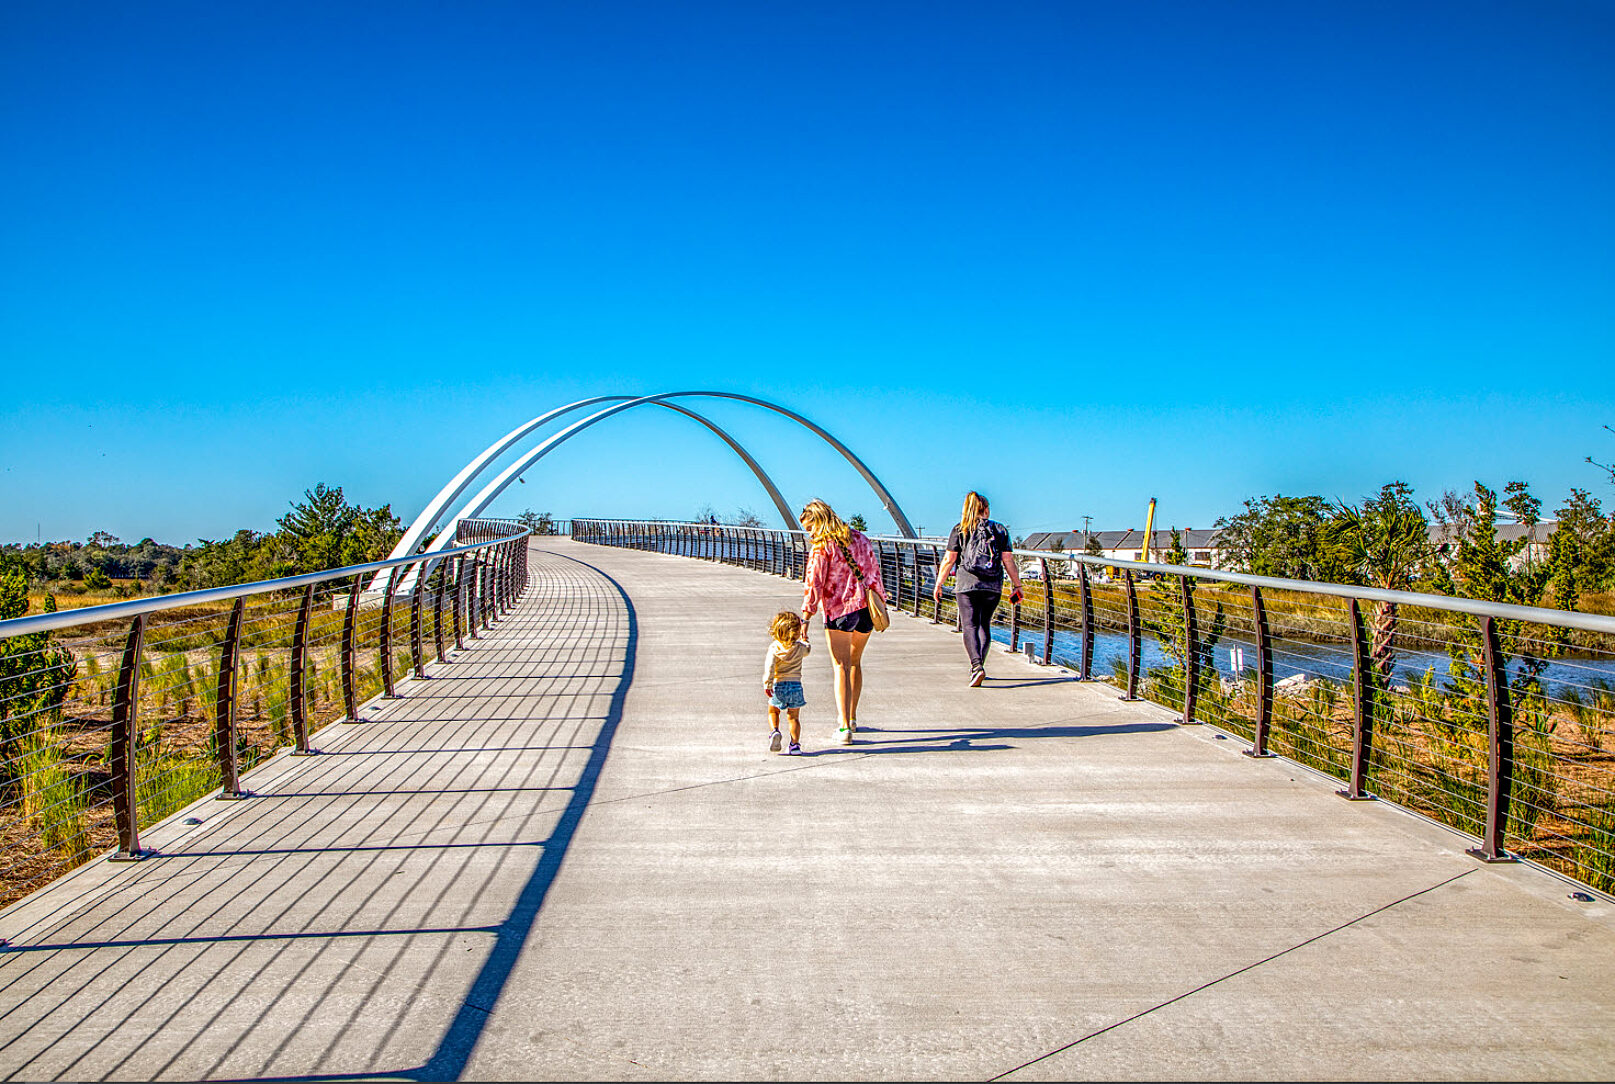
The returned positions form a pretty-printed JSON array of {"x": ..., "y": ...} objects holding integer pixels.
[{"x": 787, "y": 694}]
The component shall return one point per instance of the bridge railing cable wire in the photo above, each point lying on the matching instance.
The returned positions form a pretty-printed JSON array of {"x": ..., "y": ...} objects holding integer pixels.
[
  {"x": 114, "y": 717},
  {"x": 1495, "y": 720}
]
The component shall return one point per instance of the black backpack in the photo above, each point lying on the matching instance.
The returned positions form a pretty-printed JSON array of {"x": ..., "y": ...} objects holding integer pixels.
[{"x": 979, "y": 556}]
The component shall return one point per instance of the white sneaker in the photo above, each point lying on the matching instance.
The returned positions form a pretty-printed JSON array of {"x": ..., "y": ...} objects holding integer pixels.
[
  {"x": 977, "y": 677},
  {"x": 774, "y": 740},
  {"x": 846, "y": 735}
]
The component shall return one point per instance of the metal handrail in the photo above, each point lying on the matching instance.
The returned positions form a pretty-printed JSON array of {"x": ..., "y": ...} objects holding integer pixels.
[
  {"x": 1509, "y": 746},
  {"x": 1504, "y": 611},
  {"x": 1500, "y": 610},
  {"x": 53, "y": 822},
  {"x": 114, "y": 611}
]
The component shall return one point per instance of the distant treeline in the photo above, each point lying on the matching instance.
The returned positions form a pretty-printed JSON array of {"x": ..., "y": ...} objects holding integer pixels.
[
  {"x": 1449, "y": 546},
  {"x": 321, "y": 531}
]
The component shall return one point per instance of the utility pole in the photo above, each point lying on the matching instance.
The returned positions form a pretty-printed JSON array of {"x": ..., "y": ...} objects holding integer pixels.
[{"x": 1087, "y": 532}]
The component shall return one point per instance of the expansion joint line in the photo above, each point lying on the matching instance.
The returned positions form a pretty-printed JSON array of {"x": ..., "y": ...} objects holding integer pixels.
[{"x": 1232, "y": 974}]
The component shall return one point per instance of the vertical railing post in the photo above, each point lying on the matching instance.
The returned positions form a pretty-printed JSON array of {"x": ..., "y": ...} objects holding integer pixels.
[
  {"x": 1087, "y": 622},
  {"x": 1014, "y": 627},
  {"x": 507, "y": 567},
  {"x": 1048, "y": 612},
  {"x": 897, "y": 568},
  {"x": 417, "y": 655},
  {"x": 384, "y": 639},
  {"x": 459, "y": 602},
  {"x": 224, "y": 707},
  {"x": 936, "y": 597},
  {"x": 1191, "y": 652},
  {"x": 1362, "y": 745},
  {"x": 297, "y": 682},
  {"x": 498, "y": 574},
  {"x": 1264, "y": 676},
  {"x": 496, "y": 602},
  {"x": 1134, "y": 645},
  {"x": 474, "y": 584},
  {"x": 486, "y": 603},
  {"x": 350, "y": 701},
  {"x": 442, "y": 571},
  {"x": 1500, "y": 750},
  {"x": 484, "y": 610},
  {"x": 125, "y": 717}
]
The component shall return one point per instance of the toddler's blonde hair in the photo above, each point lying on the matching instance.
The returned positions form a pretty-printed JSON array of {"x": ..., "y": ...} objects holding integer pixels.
[{"x": 786, "y": 627}]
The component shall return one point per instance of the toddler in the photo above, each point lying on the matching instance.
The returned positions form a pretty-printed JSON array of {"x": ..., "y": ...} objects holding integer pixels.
[{"x": 782, "y": 678}]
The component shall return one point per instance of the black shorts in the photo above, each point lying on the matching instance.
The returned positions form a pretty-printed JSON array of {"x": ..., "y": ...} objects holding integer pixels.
[{"x": 857, "y": 621}]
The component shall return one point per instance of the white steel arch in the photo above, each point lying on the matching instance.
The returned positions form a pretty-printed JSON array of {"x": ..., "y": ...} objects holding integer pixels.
[{"x": 489, "y": 492}]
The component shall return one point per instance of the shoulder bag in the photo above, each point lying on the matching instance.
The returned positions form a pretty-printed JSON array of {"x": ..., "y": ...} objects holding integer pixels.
[{"x": 877, "y": 605}]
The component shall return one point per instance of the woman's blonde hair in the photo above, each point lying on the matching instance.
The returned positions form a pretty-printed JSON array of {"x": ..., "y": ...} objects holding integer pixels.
[
  {"x": 786, "y": 627},
  {"x": 823, "y": 525},
  {"x": 975, "y": 508}
]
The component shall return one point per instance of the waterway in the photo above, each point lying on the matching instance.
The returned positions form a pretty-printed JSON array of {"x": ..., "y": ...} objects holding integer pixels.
[{"x": 1307, "y": 660}]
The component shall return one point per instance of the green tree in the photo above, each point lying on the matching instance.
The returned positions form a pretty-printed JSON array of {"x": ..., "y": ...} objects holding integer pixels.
[
  {"x": 318, "y": 526},
  {"x": 1162, "y": 616},
  {"x": 35, "y": 673},
  {"x": 540, "y": 523},
  {"x": 1385, "y": 543},
  {"x": 1526, "y": 510},
  {"x": 374, "y": 533},
  {"x": 1585, "y": 537},
  {"x": 1279, "y": 536},
  {"x": 857, "y": 522}
]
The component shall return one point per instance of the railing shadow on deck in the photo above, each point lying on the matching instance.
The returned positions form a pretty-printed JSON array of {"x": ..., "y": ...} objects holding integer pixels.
[{"x": 179, "y": 872}]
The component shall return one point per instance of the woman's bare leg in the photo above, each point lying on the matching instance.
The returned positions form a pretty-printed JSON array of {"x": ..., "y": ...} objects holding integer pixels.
[
  {"x": 860, "y": 640},
  {"x": 846, "y": 658}
]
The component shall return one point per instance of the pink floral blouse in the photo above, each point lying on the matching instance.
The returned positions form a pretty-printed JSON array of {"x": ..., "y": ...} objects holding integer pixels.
[{"x": 830, "y": 584}]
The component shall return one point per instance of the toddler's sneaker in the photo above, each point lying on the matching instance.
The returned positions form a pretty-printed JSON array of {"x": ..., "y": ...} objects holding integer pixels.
[
  {"x": 795, "y": 749},
  {"x": 773, "y": 742}
]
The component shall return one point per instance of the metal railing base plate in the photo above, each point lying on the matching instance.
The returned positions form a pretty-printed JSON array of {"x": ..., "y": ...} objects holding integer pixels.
[
  {"x": 1254, "y": 755},
  {"x": 1489, "y": 859},
  {"x": 123, "y": 856},
  {"x": 1350, "y": 797}
]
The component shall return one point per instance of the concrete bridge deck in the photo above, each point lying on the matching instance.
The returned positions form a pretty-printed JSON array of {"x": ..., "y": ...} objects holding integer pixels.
[{"x": 567, "y": 854}]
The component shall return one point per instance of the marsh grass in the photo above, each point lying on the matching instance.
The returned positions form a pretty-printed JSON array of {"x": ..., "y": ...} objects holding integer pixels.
[{"x": 51, "y": 798}]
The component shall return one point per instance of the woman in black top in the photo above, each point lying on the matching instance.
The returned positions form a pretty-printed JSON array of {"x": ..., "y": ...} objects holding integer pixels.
[{"x": 979, "y": 548}]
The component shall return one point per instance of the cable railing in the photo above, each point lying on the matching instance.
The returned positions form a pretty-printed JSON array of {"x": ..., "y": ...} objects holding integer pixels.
[
  {"x": 1495, "y": 720},
  {"x": 114, "y": 717}
]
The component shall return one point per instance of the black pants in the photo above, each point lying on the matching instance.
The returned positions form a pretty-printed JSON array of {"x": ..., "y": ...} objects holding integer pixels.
[{"x": 976, "y": 622}]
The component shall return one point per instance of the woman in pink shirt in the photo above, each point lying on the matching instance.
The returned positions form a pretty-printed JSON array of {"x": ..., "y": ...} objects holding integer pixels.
[{"x": 840, "y": 567}]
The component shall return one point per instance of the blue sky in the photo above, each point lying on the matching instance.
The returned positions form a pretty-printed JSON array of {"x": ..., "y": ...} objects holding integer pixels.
[{"x": 1072, "y": 254}]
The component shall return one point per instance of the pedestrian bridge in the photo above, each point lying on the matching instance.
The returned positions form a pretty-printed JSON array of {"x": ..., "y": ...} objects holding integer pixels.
[{"x": 567, "y": 854}]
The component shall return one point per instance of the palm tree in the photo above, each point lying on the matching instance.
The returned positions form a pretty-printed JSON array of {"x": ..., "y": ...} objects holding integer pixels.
[{"x": 1385, "y": 543}]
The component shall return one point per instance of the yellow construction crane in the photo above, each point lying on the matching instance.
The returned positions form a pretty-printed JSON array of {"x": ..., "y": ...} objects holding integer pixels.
[{"x": 1149, "y": 529}]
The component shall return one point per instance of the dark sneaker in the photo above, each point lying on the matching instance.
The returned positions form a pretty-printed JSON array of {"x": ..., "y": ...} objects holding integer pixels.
[
  {"x": 773, "y": 741},
  {"x": 977, "y": 677},
  {"x": 795, "y": 749}
]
